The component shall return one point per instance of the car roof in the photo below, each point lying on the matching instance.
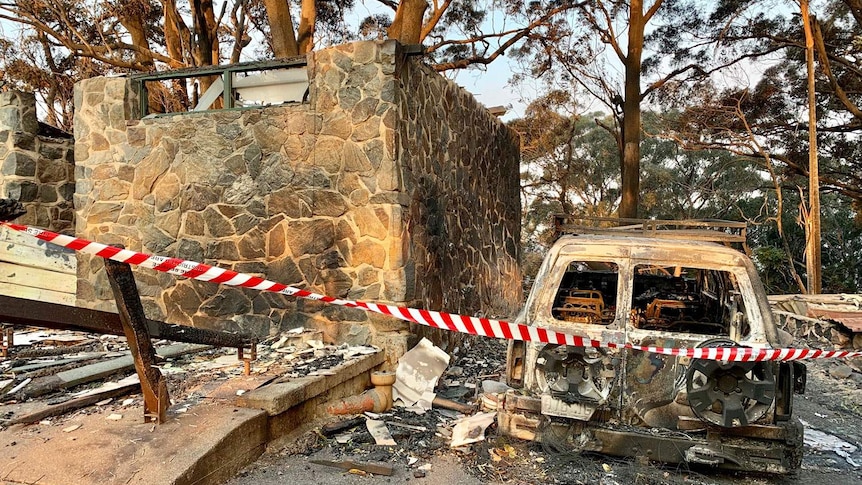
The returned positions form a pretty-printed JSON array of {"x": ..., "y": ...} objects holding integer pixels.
[{"x": 664, "y": 249}]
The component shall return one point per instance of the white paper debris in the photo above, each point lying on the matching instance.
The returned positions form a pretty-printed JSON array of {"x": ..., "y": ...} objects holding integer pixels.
[
  {"x": 316, "y": 344},
  {"x": 379, "y": 432},
  {"x": 104, "y": 402},
  {"x": 417, "y": 374},
  {"x": 471, "y": 429},
  {"x": 115, "y": 417},
  {"x": 129, "y": 401},
  {"x": 280, "y": 343}
]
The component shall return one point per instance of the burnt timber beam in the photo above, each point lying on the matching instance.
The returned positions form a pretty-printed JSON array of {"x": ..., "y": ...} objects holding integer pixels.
[
  {"x": 153, "y": 384},
  {"x": 34, "y": 313},
  {"x": 10, "y": 209}
]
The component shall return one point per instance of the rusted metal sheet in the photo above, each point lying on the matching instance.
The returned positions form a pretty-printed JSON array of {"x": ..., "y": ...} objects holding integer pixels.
[
  {"x": 153, "y": 383},
  {"x": 851, "y": 320}
]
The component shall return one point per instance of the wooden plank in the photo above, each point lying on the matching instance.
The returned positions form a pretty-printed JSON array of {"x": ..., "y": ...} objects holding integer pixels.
[
  {"x": 93, "y": 372},
  {"x": 376, "y": 468},
  {"x": 37, "y": 294},
  {"x": 8, "y": 236},
  {"x": 45, "y": 258},
  {"x": 44, "y": 365},
  {"x": 37, "y": 278},
  {"x": 77, "y": 403}
]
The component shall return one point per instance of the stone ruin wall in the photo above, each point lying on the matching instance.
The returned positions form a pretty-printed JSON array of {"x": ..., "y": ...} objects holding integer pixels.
[
  {"x": 461, "y": 169},
  {"x": 37, "y": 169},
  {"x": 319, "y": 195}
]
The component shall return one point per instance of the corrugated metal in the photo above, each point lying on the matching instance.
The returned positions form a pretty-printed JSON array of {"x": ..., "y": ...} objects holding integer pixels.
[{"x": 850, "y": 319}]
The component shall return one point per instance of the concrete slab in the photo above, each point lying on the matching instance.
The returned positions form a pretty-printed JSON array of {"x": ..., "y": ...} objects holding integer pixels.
[
  {"x": 278, "y": 398},
  {"x": 206, "y": 445}
]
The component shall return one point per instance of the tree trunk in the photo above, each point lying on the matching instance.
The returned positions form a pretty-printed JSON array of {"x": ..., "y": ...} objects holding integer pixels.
[
  {"x": 631, "y": 129},
  {"x": 204, "y": 43},
  {"x": 407, "y": 26},
  {"x": 175, "y": 29},
  {"x": 812, "y": 226},
  {"x": 281, "y": 28},
  {"x": 212, "y": 31},
  {"x": 307, "y": 19},
  {"x": 131, "y": 16}
]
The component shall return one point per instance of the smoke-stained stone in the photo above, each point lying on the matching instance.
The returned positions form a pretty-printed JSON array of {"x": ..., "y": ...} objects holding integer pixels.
[
  {"x": 222, "y": 250},
  {"x": 24, "y": 140},
  {"x": 336, "y": 282},
  {"x": 309, "y": 237},
  {"x": 285, "y": 270},
  {"x": 244, "y": 223},
  {"x": 155, "y": 240},
  {"x": 217, "y": 224},
  {"x": 287, "y": 202},
  {"x": 193, "y": 224},
  {"x": 191, "y": 250},
  {"x": 47, "y": 194},
  {"x": 227, "y": 303},
  {"x": 253, "y": 324},
  {"x": 177, "y": 300},
  {"x": 252, "y": 245},
  {"x": 258, "y": 268},
  {"x": 344, "y": 314},
  {"x": 328, "y": 203}
]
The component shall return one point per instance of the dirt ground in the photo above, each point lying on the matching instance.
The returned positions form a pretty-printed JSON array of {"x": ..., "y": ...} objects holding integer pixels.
[{"x": 832, "y": 404}]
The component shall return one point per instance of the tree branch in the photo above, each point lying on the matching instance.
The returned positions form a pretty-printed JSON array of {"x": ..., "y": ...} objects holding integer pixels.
[
  {"x": 827, "y": 69},
  {"x": 482, "y": 59}
]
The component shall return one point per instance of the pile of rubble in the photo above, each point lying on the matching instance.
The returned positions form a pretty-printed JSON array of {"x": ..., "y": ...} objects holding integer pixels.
[
  {"x": 436, "y": 408},
  {"x": 49, "y": 376},
  {"x": 820, "y": 321}
]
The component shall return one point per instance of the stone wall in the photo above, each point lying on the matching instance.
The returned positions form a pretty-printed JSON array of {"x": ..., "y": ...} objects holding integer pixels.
[
  {"x": 326, "y": 195},
  {"x": 35, "y": 168},
  {"x": 461, "y": 172}
]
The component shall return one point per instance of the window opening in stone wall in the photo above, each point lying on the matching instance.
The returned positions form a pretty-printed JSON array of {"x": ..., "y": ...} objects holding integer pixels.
[
  {"x": 254, "y": 84},
  {"x": 273, "y": 87},
  {"x": 182, "y": 95},
  {"x": 691, "y": 300},
  {"x": 587, "y": 293}
]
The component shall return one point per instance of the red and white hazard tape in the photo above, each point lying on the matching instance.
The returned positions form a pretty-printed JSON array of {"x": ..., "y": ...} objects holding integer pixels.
[{"x": 485, "y": 327}]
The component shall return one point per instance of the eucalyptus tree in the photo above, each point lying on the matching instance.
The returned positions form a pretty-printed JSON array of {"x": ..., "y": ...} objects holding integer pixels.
[{"x": 48, "y": 45}]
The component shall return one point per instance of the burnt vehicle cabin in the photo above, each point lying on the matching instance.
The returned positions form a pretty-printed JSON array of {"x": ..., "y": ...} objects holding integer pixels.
[{"x": 654, "y": 286}]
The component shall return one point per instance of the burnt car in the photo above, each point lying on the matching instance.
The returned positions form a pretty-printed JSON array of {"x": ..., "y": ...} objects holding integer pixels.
[{"x": 662, "y": 284}]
